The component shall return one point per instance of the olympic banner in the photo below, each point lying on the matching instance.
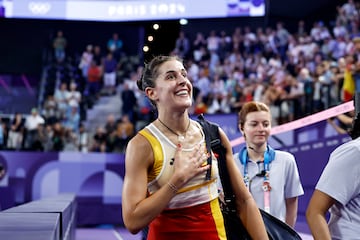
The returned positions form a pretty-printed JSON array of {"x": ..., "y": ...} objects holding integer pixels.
[{"x": 112, "y": 10}]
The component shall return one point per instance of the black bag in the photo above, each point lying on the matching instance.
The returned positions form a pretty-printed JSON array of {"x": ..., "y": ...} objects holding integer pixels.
[
  {"x": 235, "y": 229},
  {"x": 276, "y": 229}
]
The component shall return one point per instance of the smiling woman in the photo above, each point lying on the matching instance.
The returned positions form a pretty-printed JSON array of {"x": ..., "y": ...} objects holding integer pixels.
[{"x": 169, "y": 181}]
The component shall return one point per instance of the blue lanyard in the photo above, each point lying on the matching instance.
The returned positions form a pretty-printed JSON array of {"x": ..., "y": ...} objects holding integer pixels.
[{"x": 269, "y": 156}]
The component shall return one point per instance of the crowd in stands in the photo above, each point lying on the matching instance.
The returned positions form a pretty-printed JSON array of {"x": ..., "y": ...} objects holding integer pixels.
[
  {"x": 295, "y": 73},
  {"x": 57, "y": 125}
]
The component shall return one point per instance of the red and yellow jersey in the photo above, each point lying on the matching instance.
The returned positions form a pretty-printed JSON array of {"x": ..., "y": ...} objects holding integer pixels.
[{"x": 197, "y": 191}]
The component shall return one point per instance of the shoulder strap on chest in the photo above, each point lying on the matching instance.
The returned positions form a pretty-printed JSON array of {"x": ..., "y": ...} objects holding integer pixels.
[{"x": 213, "y": 141}]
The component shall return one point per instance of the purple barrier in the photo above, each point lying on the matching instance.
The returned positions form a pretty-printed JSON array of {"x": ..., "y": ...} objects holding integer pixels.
[
  {"x": 30, "y": 226},
  {"x": 95, "y": 178},
  {"x": 64, "y": 205}
]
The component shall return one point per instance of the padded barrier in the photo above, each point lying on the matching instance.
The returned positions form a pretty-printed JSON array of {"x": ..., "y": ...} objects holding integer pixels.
[
  {"x": 29, "y": 226},
  {"x": 59, "y": 210}
]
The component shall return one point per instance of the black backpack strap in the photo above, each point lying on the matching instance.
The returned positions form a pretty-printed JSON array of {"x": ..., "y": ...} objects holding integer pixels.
[
  {"x": 208, "y": 136},
  {"x": 212, "y": 138}
]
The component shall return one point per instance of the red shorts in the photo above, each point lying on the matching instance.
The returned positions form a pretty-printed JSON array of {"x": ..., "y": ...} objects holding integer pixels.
[{"x": 200, "y": 222}]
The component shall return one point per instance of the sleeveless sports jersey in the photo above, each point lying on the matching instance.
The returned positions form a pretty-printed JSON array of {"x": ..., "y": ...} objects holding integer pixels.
[
  {"x": 197, "y": 190},
  {"x": 194, "y": 212}
]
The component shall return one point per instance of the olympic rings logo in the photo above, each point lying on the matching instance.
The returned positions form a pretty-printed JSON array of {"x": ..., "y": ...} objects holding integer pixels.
[{"x": 39, "y": 8}]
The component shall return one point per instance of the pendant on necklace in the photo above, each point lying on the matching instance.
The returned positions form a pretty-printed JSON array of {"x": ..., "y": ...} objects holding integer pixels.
[{"x": 181, "y": 138}]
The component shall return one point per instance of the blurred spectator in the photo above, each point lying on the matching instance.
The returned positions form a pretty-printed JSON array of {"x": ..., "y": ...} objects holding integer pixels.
[
  {"x": 70, "y": 141},
  {"x": 282, "y": 36},
  {"x": 110, "y": 124},
  {"x": 124, "y": 132},
  {"x": 315, "y": 32},
  {"x": 213, "y": 41},
  {"x": 47, "y": 137},
  {"x": 85, "y": 60},
  {"x": 131, "y": 83},
  {"x": 248, "y": 40},
  {"x": 115, "y": 46},
  {"x": 72, "y": 119},
  {"x": 219, "y": 103},
  {"x": 336, "y": 79},
  {"x": 57, "y": 138},
  {"x": 224, "y": 45},
  {"x": 59, "y": 45},
  {"x": 50, "y": 111},
  {"x": 198, "y": 44},
  {"x": 129, "y": 102},
  {"x": 144, "y": 113},
  {"x": 339, "y": 49},
  {"x": 339, "y": 30},
  {"x": 60, "y": 96},
  {"x": 73, "y": 96},
  {"x": 126, "y": 127},
  {"x": 328, "y": 47},
  {"x": 204, "y": 85},
  {"x": 39, "y": 139},
  {"x": 301, "y": 30},
  {"x": 83, "y": 139},
  {"x": 99, "y": 140},
  {"x": 295, "y": 98},
  {"x": 16, "y": 132},
  {"x": 93, "y": 81},
  {"x": 192, "y": 70},
  {"x": 110, "y": 69},
  {"x": 98, "y": 56},
  {"x": 350, "y": 10},
  {"x": 32, "y": 125},
  {"x": 214, "y": 62},
  {"x": 182, "y": 45},
  {"x": 308, "y": 83}
]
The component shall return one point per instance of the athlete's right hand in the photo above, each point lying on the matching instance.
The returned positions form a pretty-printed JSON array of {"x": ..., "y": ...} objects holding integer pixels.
[{"x": 188, "y": 166}]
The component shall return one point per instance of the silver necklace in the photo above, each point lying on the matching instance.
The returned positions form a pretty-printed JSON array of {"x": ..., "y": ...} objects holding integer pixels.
[{"x": 181, "y": 137}]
